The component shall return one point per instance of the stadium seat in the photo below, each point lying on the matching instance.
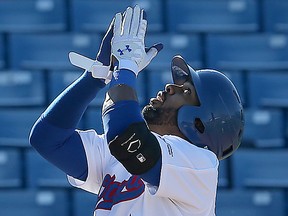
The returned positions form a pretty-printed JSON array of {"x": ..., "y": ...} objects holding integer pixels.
[
  {"x": 59, "y": 80},
  {"x": 93, "y": 119},
  {"x": 33, "y": 16},
  {"x": 250, "y": 202},
  {"x": 22, "y": 88},
  {"x": 34, "y": 202},
  {"x": 264, "y": 128},
  {"x": 275, "y": 17},
  {"x": 97, "y": 17},
  {"x": 223, "y": 175},
  {"x": 213, "y": 16},
  {"x": 261, "y": 51},
  {"x": 10, "y": 166},
  {"x": 16, "y": 124},
  {"x": 41, "y": 173},
  {"x": 268, "y": 89},
  {"x": 157, "y": 79},
  {"x": 49, "y": 51},
  {"x": 262, "y": 168},
  {"x": 83, "y": 203},
  {"x": 188, "y": 46},
  {"x": 2, "y": 45}
]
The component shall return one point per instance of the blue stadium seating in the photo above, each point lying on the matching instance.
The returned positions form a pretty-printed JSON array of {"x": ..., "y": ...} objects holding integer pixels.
[
  {"x": 213, "y": 16},
  {"x": 34, "y": 202},
  {"x": 16, "y": 125},
  {"x": 22, "y": 88},
  {"x": 93, "y": 119},
  {"x": 88, "y": 16},
  {"x": 83, "y": 203},
  {"x": 263, "y": 168},
  {"x": 223, "y": 175},
  {"x": 2, "y": 55},
  {"x": 247, "y": 51},
  {"x": 157, "y": 79},
  {"x": 250, "y": 202},
  {"x": 33, "y": 16},
  {"x": 49, "y": 51},
  {"x": 268, "y": 89},
  {"x": 59, "y": 80},
  {"x": 188, "y": 46},
  {"x": 275, "y": 17},
  {"x": 10, "y": 166},
  {"x": 264, "y": 128},
  {"x": 41, "y": 173}
]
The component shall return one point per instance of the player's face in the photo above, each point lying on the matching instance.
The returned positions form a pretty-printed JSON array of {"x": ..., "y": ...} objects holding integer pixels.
[{"x": 163, "y": 108}]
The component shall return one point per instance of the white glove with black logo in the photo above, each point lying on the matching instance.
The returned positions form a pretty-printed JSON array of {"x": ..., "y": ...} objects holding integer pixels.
[{"x": 128, "y": 45}]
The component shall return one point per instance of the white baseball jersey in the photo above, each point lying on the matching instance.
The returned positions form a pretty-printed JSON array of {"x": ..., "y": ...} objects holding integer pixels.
[{"x": 188, "y": 180}]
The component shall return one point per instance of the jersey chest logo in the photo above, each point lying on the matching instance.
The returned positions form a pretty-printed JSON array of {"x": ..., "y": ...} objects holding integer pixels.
[{"x": 113, "y": 192}]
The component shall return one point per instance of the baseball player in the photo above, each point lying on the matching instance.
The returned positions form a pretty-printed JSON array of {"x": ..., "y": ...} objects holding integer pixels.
[{"x": 161, "y": 161}]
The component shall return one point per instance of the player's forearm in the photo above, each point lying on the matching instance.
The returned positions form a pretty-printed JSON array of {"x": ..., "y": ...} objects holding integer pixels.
[{"x": 121, "y": 107}]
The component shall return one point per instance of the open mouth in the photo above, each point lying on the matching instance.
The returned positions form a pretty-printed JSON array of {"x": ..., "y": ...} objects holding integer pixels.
[{"x": 159, "y": 99}]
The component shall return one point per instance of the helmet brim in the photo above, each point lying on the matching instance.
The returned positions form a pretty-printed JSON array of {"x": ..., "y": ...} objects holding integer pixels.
[{"x": 181, "y": 71}]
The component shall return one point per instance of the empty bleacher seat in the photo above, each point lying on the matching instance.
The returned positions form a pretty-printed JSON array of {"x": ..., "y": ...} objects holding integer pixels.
[
  {"x": 213, "y": 16},
  {"x": 249, "y": 51},
  {"x": 83, "y": 202},
  {"x": 97, "y": 17},
  {"x": 41, "y": 173},
  {"x": 250, "y": 203},
  {"x": 16, "y": 124},
  {"x": 32, "y": 15},
  {"x": 223, "y": 175},
  {"x": 34, "y": 203},
  {"x": 93, "y": 119},
  {"x": 10, "y": 166},
  {"x": 49, "y": 51},
  {"x": 2, "y": 58},
  {"x": 22, "y": 88},
  {"x": 264, "y": 128},
  {"x": 275, "y": 16},
  {"x": 188, "y": 46},
  {"x": 157, "y": 79},
  {"x": 263, "y": 168},
  {"x": 268, "y": 89}
]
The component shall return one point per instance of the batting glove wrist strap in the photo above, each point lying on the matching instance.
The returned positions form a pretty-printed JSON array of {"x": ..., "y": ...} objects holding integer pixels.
[{"x": 97, "y": 69}]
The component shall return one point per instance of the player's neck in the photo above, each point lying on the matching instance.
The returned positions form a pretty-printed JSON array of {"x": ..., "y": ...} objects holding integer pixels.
[{"x": 166, "y": 130}]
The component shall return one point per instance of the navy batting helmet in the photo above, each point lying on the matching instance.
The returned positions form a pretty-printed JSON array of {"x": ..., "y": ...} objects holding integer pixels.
[{"x": 218, "y": 123}]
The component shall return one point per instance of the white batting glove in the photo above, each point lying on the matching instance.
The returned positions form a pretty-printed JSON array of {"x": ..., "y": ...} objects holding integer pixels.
[{"x": 128, "y": 41}]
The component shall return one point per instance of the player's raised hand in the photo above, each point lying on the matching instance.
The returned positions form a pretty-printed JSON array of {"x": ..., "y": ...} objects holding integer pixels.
[
  {"x": 100, "y": 68},
  {"x": 128, "y": 45}
]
